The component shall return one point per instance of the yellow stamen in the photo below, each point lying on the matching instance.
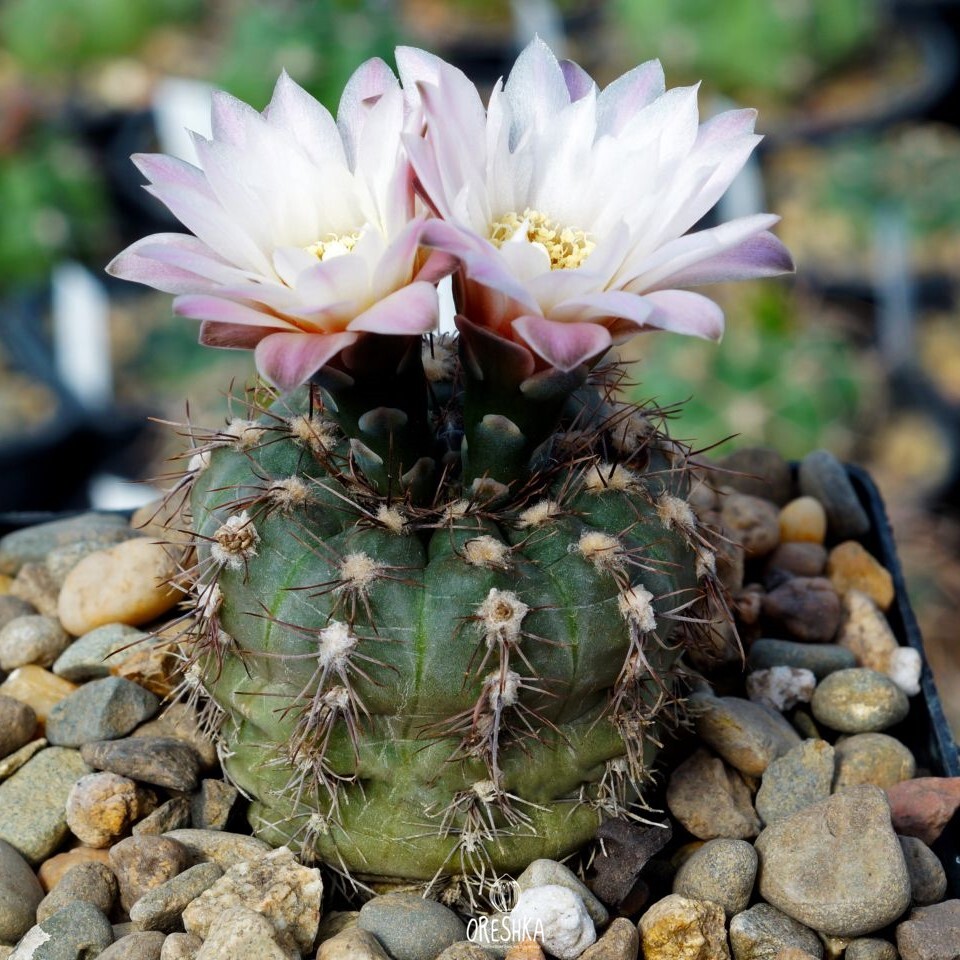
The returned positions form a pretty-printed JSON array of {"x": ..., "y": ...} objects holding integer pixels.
[
  {"x": 333, "y": 245},
  {"x": 567, "y": 247}
]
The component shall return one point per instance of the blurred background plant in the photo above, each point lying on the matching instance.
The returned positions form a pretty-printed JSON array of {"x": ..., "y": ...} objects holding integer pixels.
[{"x": 859, "y": 354}]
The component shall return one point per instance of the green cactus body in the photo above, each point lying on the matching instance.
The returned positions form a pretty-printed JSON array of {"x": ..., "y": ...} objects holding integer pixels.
[{"x": 422, "y": 688}]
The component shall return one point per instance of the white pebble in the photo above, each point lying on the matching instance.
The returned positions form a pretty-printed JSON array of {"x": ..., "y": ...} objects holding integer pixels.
[
  {"x": 903, "y": 668},
  {"x": 556, "y": 917},
  {"x": 781, "y": 687}
]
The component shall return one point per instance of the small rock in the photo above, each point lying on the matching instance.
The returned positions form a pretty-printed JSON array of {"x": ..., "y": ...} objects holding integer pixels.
[
  {"x": 931, "y": 933},
  {"x": 88, "y": 658},
  {"x": 20, "y": 894},
  {"x": 794, "y": 781},
  {"x": 823, "y": 476},
  {"x": 126, "y": 583},
  {"x": 625, "y": 850},
  {"x": 180, "y": 946},
  {"x": 808, "y": 608},
  {"x": 240, "y": 933},
  {"x": 162, "y": 761},
  {"x": 136, "y": 946},
  {"x": 676, "y": 928},
  {"x": 37, "y": 687},
  {"x": 621, "y": 941},
  {"x": 55, "y": 868},
  {"x": 35, "y": 585},
  {"x": 758, "y": 472},
  {"x": 859, "y": 701},
  {"x": 33, "y": 802},
  {"x": 820, "y": 659},
  {"x": 409, "y": 927},
  {"x": 210, "y": 806},
  {"x": 803, "y": 521},
  {"x": 836, "y": 865},
  {"x": 494, "y": 933},
  {"x": 763, "y": 931},
  {"x": 542, "y": 873},
  {"x": 851, "y": 567},
  {"x": 722, "y": 871},
  {"x": 172, "y": 815},
  {"x": 798, "y": 559},
  {"x": 872, "y": 758},
  {"x": 556, "y": 917},
  {"x": 32, "y": 639},
  {"x": 11, "y": 608},
  {"x": 278, "y": 887},
  {"x": 922, "y": 807},
  {"x": 101, "y": 807},
  {"x": 747, "y": 735},
  {"x": 355, "y": 944},
  {"x": 525, "y": 950},
  {"x": 76, "y": 932},
  {"x": 217, "y": 846},
  {"x": 928, "y": 879},
  {"x": 161, "y": 907},
  {"x": 145, "y": 862},
  {"x": 335, "y": 921},
  {"x": 32, "y": 544},
  {"x": 91, "y": 881},
  {"x": 180, "y": 721},
  {"x": 752, "y": 522},
  {"x": 781, "y": 688},
  {"x": 18, "y": 723},
  {"x": 10, "y": 764},
  {"x": 104, "y": 709},
  {"x": 869, "y": 948},
  {"x": 711, "y": 800}
]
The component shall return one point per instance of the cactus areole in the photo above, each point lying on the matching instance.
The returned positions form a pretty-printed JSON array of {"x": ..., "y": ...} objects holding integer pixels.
[{"x": 442, "y": 584}]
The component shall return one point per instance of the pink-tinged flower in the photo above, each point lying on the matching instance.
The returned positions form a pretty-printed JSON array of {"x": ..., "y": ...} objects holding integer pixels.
[
  {"x": 304, "y": 236},
  {"x": 570, "y": 208}
]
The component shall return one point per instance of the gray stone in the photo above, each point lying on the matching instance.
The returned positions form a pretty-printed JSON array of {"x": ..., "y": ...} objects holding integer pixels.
[
  {"x": 836, "y": 865},
  {"x": 461, "y": 950},
  {"x": 174, "y": 814},
  {"x": 821, "y": 659},
  {"x": 210, "y": 806},
  {"x": 723, "y": 871},
  {"x": 143, "y": 863},
  {"x": 162, "y": 761},
  {"x": 823, "y": 476},
  {"x": 88, "y": 658},
  {"x": 18, "y": 724},
  {"x": 104, "y": 709},
  {"x": 180, "y": 721},
  {"x": 162, "y": 907},
  {"x": 409, "y": 927},
  {"x": 872, "y": 758},
  {"x": 93, "y": 882},
  {"x": 795, "y": 780},
  {"x": 10, "y": 764},
  {"x": 240, "y": 933},
  {"x": 32, "y": 544},
  {"x": 931, "y": 933},
  {"x": 33, "y": 802},
  {"x": 747, "y": 735},
  {"x": 77, "y": 932},
  {"x": 870, "y": 948},
  {"x": 31, "y": 639},
  {"x": 136, "y": 946},
  {"x": 34, "y": 584},
  {"x": 761, "y": 932},
  {"x": 543, "y": 873},
  {"x": 621, "y": 941},
  {"x": 181, "y": 946},
  {"x": 859, "y": 701},
  {"x": 223, "y": 849},
  {"x": 20, "y": 894},
  {"x": 758, "y": 472},
  {"x": 11, "y": 608},
  {"x": 928, "y": 879},
  {"x": 354, "y": 944}
]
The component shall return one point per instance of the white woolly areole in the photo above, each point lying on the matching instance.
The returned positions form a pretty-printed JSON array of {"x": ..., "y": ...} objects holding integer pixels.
[
  {"x": 706, "y": 562},
  {"x": 246, "y": 433},
  {"x": 440, "y": 358},
  {"x": 235, "y": 541},
  {"x": 289, "y": 493},
  {"x": 314, "y": 432},
  {"x": 209, "y": 601},
  {"x": 335, "y": 645},
  {"x": 628, "y": 434},
  {"x": 199, "y": 462},
  {"x": 505, "y": 693},
  {"x": 358, "y": 571},
  {"x": 538, "y": 514},
  {"x": 486, "y": 791},
  {"x": 604, "y": 551},
  {"x": 336, "y": 698},
  {"x": 392, "y": 519},
  {"x": 456, "y": 510},
  {"x": 487, "y": 552},
  {"x": 676, "y": 513},
  {"x": 500, "y": 616},
  {"x": 636, "y": 607},
  {"x": 609, "y": 476}
]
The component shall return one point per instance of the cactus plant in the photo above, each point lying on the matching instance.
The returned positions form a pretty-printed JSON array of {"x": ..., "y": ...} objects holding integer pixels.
[{"x": 442, "y": 583}]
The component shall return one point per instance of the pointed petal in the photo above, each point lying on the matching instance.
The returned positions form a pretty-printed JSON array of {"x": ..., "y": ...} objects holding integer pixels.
[
  {"x": 603, "y": 306},
  {"x": 229, "y": 336},
  {"x": 681, "y": 311},
  {"x": 173, "y": 263},
  {"x": 294, "y": 110},
  {"x": 410, "y": 310},
  {"x": 727, "y": 126},
  {"x": 289, "y": 359},
  {"x": 218, "y": 310},
  {"x": 230, "y": 118},
  {"x": 627, "y": 95},
  {"x": 762, "y": 255},
  {"x": 369, "y": 81},
  {"x": 579, "y": 82},
  {"x": 562, "y": 345},
  {"x": 536, "y": 88}
]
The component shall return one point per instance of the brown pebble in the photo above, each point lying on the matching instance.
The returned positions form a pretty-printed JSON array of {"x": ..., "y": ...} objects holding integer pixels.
[
  {"x": 803, "y": 521},
  {"x": 752, "y": 522},
  {"x": 91, "y": 881},
  {"x": 808, "y": 607},
  {"x": 621, "y": 941},
  {"x": 35, "y": 585},
  {"x": 181, "y": 721},
  {"x": 180, "y": 946},
  {"x": 144, "y": 862},
  {"x": 102, "y": 806},
  {"x": 799, "y": 559},
  {"x": 139, "y": 945},
  {"x": 924, "y": 806},
  {"x": 172, "y": 815},
  {"x": 851, "y": 567},
  {"x": 37, "y": 687},
  {"x": 525, "y": 950},
  {"x": 160, "y": 761},
  {"x": 18, "y": 724},
  {"x": 53, "y": 869}
]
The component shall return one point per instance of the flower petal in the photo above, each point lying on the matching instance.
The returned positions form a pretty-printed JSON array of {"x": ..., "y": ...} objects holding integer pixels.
[
  {"x": 294, "y": 110},
  {"x": 627, "y": 95},
  {"x": 218, "y": 310},
  {"x": 562, "y": 345},
  {"x": 681, "y": 311},
  {"x": 604, "y": 305},
  {"x": 289, "y": 359},
  {"x": 412, "y": 309},
  {"x": 762, "y": 255},
  {"x": 369, "y": 81},
  {"x": 173, "y": 263},
  {"x": 579, "y": 82},
  {"x": 536, "y": 89},
  {"x": 230, "y": 336}
]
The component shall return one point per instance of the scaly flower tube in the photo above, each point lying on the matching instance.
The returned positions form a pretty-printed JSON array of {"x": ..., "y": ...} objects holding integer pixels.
[
  {"x": 305, "y": 236},
  {"x": 570, "y": 208}
]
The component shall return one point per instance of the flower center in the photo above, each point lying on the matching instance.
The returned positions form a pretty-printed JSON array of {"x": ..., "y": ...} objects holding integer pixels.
[
  {"x": 333, "y": 245},
  {"x": 566, "y": 247}
]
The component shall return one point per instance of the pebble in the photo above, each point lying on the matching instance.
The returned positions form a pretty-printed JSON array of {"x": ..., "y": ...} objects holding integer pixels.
[
  {"x": 88, "y": 657},
  {"x": 122, "y": 584},
  {"x": 851, "y": 567},
  {"x": 557, "y": 916},
  {"x": 180, "y": 721},
  {"x": 93, "y": 882},
  {"x": 143, "y": 863},
  {"x": 53, "y": 869},
  {"x": 240, "y": 933},
  {"x": 752, "y": 522},
  {"x": 223, "y": 849},
  {"x": 102, "y": 806},
  {"x": 875, "y": 758},
  {"x": 161, "y": 761},
  {"x": 625, "y": 849},
  {"x": 747, "y": 735},
  {"x": 928, "y": 879},
  {"x": 20, "y": 894},
  {"x": 171, "y": 815},
  {"x": 162, "y": 907},
  {"x": 711, "y": 800},
  {"x": 924, "y": 806},
  {"x": 35, "y": 585},
  {"x": 31, "y": 639},
  {"x": 12, "y": 608},
  {"x": 870, "y": 948},
  {"x": 210, "y": 806},
  {"x": 931, "y": 933},
  {"x": 544, "y": 872},
  {"x": 33, "y": 802},
  {"x": 820, "y": 659},
  {"x": 757, "y": 471},
  {"x": 823, "y": 476},
  {"x": 763, "y": 931},
  {"x": 104, "y": 709},
  {"x": 135, "y": 946},
  {"x": 676, "y": 928},
  {"x": 721, "y": 870},
  {"x": 281, "y": 889},
  {"x": 37, "y": 687},
  {"x": 76, "y": 932},
  {"x": 798, "y": 559},
  {"x": 803, "y": 521},
  {"x": 410, "y": 927},
  {"x": 836, "y": 865},
  {"x": 180, "y": 946},
  {"x": 355, "y": 944},
  {"x": 18, "y": 723},
  {"x": 32, "y": 544},
  {"x": 10, "y": 764},
  {"x": 525, "y": 950},
  {"x": 859, "y": 701},
  {"x": 807, "y": 607},
  {"x": 781, "y": 688},
  {"x": 621, "y": 941},
  {"x": 795, "y": 780}
]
